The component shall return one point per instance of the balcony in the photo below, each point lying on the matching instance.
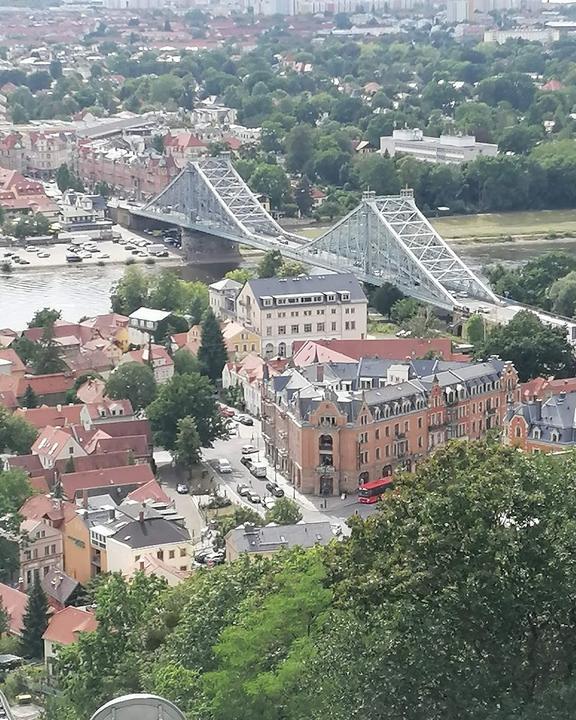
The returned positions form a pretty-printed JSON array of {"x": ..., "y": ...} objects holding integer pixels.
[
  {"x": 326, "y": 470},
  {"x": 325, "y": 446},
  {"x": 400, "y": 435}
]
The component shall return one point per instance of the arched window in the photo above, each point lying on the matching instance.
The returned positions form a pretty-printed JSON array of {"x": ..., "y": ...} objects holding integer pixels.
[
  {"x": 269, "y": 350},
  {"x": 518, "y": 431},
  {"x": 406, "y": 406},
  {"x": 325, "y": 442},
  {"x": 282, "y": 349},
  {"x": 537, "y": 433},
  {"x": 377, "y": 413},
  {"x": 386, "y": 411},
  {"x": 554, "y": 436}
]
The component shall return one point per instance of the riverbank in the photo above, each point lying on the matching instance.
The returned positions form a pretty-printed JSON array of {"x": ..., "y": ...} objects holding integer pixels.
[{"x": 109, "y": 253}]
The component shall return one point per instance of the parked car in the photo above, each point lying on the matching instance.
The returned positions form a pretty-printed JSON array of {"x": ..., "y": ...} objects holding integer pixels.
[
  {"x": 249, "y": 449},
  {"x": 182, "y": 489},
  {"x": 243, "y": 490},
  {"x": 245, "y": 420},
  {"x": 245, "y": 460},
  {"x": 254, "y": 497},
  {"x": 258, "y": 469},
  {"x": 226, "y": 411},
  {"x": 268, "y": 502},
  {"x": 223, "y": 465},
  {"x": 43, "y": 255},
  {"x": 274, "y": 489}
]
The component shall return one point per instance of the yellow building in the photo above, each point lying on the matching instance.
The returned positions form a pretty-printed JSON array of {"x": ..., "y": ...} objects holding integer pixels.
[
  {"x": 84, "y": 556},
  {"x": 239, "y": 340}
]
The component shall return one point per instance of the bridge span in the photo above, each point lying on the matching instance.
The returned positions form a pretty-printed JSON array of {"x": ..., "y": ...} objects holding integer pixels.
[{"x": 384, "y": 239}]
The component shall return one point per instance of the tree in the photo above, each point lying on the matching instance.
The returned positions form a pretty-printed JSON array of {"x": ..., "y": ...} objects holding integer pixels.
[
  {"x": 284, "y": 512},
  {"x": 404, "y": 309},
  {"x": 303, "y": 196},
  {"x": 272, "y": 181},
  {"x": 69, "y": 467},
  {"x": 379, "y": 174},
  {"x": 270, "y": 264},
  {"x": 16, "y": 434},
  {"x": 56, "y": 69},
  {"x": 158, "y": 143},
  {"x": 48, "y": 357},
  {"x": 292, "y": 268},
  {"x": 35, "y": 622},
  {"x": 187, "y": 445},
  {"x": 534, "y": 347},
  {"x": 30, "y": 399},
  {"x": 240, "y": 275},
  {"x": 430, "y": 602},
  {"x": 342, "y": 21},
  {"x": 44, "y": 317},
  {"x": 66, "y": 180},
  {"x": 185, "y": 363},
  {"x": 475, "y": 330},
  {"x": 182, "y": 396},
  {"x": 299, "y": 148},
  {"x": 212, "y": 353},
  {"x": 4, "y": 619},
  {"x": 132, "y": 381},
  {"x": 167, "y": 292},
  {"x": 385, "y": 297},
  {"x": 131, "y": 291},
  {"x": 562, "y": 293}
]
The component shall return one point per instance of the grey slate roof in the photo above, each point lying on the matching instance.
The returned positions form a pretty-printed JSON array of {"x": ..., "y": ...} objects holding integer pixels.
[
  {"x": 557, "y": 415},
  {"x": 308, "y": 285},
  {"x": 151, "y": 531},
  {"x": 59, "y": 586},
  {"x": 275, "y": 537}
]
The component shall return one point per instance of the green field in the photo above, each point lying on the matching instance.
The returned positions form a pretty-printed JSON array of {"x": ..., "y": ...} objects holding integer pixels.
[{"x": 540, "y": 223}]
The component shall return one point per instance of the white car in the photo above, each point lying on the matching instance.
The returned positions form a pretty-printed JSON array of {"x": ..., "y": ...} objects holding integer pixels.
[
  {"x": 224, "y": 465},
  {"x": 249, "y": 449},
  {"x": 268, "y": 502},
  {"x": 43, "y": 255}
]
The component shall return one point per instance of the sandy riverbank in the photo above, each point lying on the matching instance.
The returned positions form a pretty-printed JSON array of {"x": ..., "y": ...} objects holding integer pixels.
[{"x": 109, "y": 254}]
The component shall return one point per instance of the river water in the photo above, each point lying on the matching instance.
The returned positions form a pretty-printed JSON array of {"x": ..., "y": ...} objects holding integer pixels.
[{"x": 78, "y": 291}]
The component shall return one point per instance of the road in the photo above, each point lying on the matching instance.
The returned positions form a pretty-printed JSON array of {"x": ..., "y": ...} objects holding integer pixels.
[{"x": 312, "y": 508}]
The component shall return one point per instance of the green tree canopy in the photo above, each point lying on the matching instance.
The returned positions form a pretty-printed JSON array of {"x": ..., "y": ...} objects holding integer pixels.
[
  {"x": 44, "y": 317},
  {"x": 212, "y": 353},
  {"x": 534, "y": 347},
  {"x": 187, "y": 445},
  {"x": 562, "y": 293},
  {"x": 385, "y": 297},
  {"x": 270, "y": 264},
  {"x": 185, "y": 363},
  {"x": 183, "y": 396},
  {"x": 284, "y": 512},
  {"x": 34, "y": 622},
  {"x": 132, "y": 381},
  {"x": 16, "y": 435}
]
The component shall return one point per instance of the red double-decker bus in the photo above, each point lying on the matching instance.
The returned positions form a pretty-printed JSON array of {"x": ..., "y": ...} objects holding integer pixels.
[{"x": 372, "y": 491}]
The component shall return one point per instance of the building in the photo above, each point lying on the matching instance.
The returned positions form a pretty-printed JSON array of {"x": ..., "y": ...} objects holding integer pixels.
[
  {"x": 239, "y": 340},
  {"x": 63, "y": 629},
  {"x": 54, "y": 444},
  {"x": 546, "y": 36},
  {"x": 283, "y": 311},
  {"x": 538, "y": 426},
  {"x": 79, "y": 209},
  {"x": 61, "y": 590},
  {"x": 332, "y": 426},
  {"x": 252, "y": 540},
  {"x": 184, "y": 147},
  {"x": 249, "y": 374},
  {"x": 41, "y": 551},
  {"x": 155, "y": 355},
  {"x": 223, "y": 296},
  {"x": 15, "y": 603},
  {"x": 445, "y": 150},
  {"x": 22, "y": 196},
  {"x": 118, "y": 480},
  {"x": 143, "y": 323}
]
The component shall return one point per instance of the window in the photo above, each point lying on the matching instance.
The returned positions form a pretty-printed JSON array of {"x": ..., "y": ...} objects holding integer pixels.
[
  {"x": 71, "y": 450},
  {"x": 183, "y": 568},
  {"x": 387, "y": 431},
  {"x": 307, "y": 328},
  {"x": 333, "y": 311},
  {"x": 46, "y": 570},
  {"x": 377, "y": 434},
  {"x": 182, "y": 552},
  {"x": 294, "y": 313},
  {"x": 347, "y": 311},
  {"x": 268, "y": 331},
  {"x": 294, "y": 329},
  {"x": 253, "y": 347},
  {"x": 319, "y": 312},
  {"x": 419, "y": 442},
  {"x": 320, "y": 327},
  {"x": 136, "y": 558},
  {"x": 352, "y": 310},
  {"x": 236, "y": 348},
  {"x": 172, "y": 554},
  {"x": 47, "y": 550},
  {"x": 420, "y": 423},
  {"x": 333, "y": 326},
  {"x": 377, "y": 453},
  {"x": 307, "y": 313},
  {"x": 281, "y": 330},
  {"x": 518, "y": 432},
  {"x": 346, "y": 325},
  {"x": 160, "y": 554},
  {"x": 406, "y": 426},
  {"x": 387, "y": 451},
  {"x": 268, "y": 316},
  {"x": 352, "y": 324}
]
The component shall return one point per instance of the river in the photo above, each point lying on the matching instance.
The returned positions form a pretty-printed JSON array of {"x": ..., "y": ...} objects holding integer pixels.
[{"x": 85, "y": 291}]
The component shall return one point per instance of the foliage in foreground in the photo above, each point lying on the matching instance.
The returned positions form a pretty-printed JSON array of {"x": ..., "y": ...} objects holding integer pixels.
[{"x": 454, "y": 601}]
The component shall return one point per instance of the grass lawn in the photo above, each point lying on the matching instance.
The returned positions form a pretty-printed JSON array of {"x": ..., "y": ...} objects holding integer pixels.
[{"x": 501, "y": 225}]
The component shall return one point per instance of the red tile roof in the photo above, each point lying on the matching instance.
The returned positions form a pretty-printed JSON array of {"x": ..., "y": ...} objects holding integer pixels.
[
  {"x": 307, "y": 352},
  {"x": 150, "y": 491},
  {"x": 15, "y": 603},
  {"x": 39, "y": 507},
  {"x": 97, "y": 461},
  {"x": 138, "y": 444},
  {"x": 55, "y": 384},
  {"x": 122, "y": 428},
  {"x": 75, "y": 483},
  {"x": 542, "y": 388},
  {"x": 10, "y": 355},
  {"x": 65, "y": 626},
  {"x": 57, "y": 416}
]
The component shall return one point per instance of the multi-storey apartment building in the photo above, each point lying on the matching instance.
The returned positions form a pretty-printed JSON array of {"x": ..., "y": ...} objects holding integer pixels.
[
  {"x": 285, "y": 310},
  {"x": 330, "y": 428},
  {"x": 538, "y": 426}
]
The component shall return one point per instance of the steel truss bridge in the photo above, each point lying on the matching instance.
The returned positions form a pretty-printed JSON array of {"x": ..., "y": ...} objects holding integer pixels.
[{"x": 384, "y": 239}]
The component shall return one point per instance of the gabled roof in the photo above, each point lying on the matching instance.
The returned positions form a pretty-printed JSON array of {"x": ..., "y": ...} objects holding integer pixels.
[
  {"x": 308, "y": 285},
  {"x": 150, "y": 532},
  {"x": 58, "y": 586},
  {"x": 11, "y": 356},
  {"x": 40, "y": 507},
  {"x": 96, "y": 461},
  {"x": 56, "y": 416},
  {"x": 149, "y": 491},
  {"x": 137, "y": 444},
  {"x": 15, "y": 603},
  {"x": 74, "y": 483},
  {"x": 385, "y": 348},
  {"x": 251, "y": 539},
  {"x": 54, "y": 384},
  {"x": 51, "y": 442},
  {"x": 66, "y": 625}
]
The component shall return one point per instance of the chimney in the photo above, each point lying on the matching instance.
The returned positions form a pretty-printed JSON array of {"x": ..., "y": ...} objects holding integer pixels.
[
  {"x": 85, "y": 499},
  {"x": 111, "y": 514},
  {"x": 320, "y": 373},
  {"x": 562, "y": 396},
  {"x": 141, "y": 516},
  {"x": 538, "y": 405}
]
